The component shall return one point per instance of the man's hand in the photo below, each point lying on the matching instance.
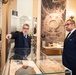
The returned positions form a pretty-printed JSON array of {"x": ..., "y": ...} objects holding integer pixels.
[{"x": 8, "y": 36}]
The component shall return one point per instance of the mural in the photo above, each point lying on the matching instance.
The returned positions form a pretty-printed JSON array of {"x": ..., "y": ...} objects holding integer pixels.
[{"x": 52, "y": 21}]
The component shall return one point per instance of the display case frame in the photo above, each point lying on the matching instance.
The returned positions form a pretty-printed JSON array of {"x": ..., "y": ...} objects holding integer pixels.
[{"x": 43, "y": 65}]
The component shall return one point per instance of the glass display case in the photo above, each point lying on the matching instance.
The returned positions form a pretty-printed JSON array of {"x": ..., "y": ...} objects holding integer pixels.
[{"x": 34, "y": 64}]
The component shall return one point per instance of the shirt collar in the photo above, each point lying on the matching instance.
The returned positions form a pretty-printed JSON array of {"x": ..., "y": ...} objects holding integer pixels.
[
  {"x": 25, "y": 35},
  {"x": 73, "y": 30}
]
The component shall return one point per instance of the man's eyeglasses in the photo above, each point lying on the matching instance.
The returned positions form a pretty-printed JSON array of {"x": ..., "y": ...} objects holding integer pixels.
[
  {"x": 67, "y": 24},
  {"x": 26, "y": 28}
]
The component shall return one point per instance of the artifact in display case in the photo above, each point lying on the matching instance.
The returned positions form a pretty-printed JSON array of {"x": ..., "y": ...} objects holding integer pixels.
[
  {"x": 52, "y": 48},
  {"x": 55, "y": 45},
  {"x": 34, "y": 65}
]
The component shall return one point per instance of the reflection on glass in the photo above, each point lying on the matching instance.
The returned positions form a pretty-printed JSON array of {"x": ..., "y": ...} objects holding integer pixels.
[{"x": 43, "y": 65}]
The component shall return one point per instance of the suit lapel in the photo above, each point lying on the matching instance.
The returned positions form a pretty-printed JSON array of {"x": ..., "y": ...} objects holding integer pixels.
[
  {"x": 70, "y": 37},
  {"x": 73, "y": 34}
]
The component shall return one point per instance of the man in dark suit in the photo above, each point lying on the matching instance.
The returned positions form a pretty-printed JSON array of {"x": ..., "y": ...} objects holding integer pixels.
[
  {"x": 22, "y": 42},
  {"x": 69, "y": 50}
]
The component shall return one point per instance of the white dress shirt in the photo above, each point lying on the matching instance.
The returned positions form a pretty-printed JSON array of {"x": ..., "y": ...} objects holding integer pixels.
[{"x": 71, "y": 32}]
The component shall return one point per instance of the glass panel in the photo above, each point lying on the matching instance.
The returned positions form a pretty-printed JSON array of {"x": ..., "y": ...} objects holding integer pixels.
[{"x": 33, "y": 65}]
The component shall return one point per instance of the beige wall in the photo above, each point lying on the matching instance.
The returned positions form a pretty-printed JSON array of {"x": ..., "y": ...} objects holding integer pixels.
[
  {"x": 71, "y": 7},
  {"x": 25, "y": 9},
  {"x": 35, "y": 8}
]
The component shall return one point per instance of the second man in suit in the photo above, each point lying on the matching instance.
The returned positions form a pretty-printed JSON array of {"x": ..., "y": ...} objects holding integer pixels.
[{"x": 69, "y": 50}]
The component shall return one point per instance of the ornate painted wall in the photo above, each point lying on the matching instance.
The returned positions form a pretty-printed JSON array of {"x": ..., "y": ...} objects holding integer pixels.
[{"x": 53, "y": 14}]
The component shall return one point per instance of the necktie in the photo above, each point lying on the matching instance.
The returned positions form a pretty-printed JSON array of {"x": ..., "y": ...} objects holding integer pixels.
[
  {"x": 25, "y": 36},
  {"x": 26, "y": 42}
]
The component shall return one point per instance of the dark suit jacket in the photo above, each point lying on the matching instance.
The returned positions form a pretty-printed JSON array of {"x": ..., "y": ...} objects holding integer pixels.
[
  {"x": 69, "y": 52},
  {"x": 20, "y": 43}
]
